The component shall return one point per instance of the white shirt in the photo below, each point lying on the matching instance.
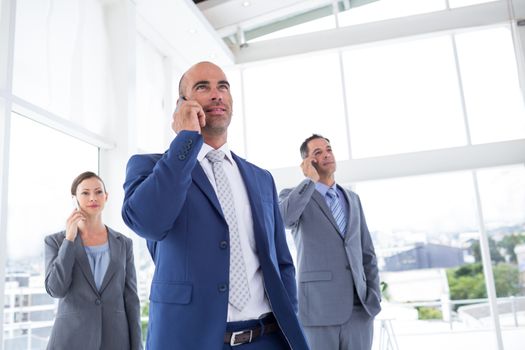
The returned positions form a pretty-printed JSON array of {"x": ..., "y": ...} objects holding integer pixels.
[{"x": 258, "y": 303}]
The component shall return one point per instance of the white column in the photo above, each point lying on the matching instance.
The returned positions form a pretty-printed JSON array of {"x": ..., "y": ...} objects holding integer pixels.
[
  {"x": 516, "y": 9},
  {"x": 7, "y": 23},
  {"x": 487, "y": 266},
  {"x": 120, "y": 23}
]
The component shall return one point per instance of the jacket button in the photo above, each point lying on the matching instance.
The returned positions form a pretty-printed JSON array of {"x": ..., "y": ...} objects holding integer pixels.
[
  {"x": 182, "y": 157},
  {"x": 98, "y": 302},
  {"x": 223, "y": 288},
  {"x": 223, "y": 244}
]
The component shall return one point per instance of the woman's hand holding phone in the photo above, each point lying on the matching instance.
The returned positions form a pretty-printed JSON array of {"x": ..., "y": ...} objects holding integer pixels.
[{"x": 72, "y": 221}]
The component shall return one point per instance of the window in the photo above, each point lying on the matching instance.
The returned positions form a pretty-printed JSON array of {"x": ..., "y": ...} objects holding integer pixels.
[
  {"x": 493, "y": 98},
  {"x": 403, "y": 97},
  {"x": 426, "y": 233},
  {"x": 153, "y": 123},
  {"x": 60, "y": 59},
  {"x": 323, "y": 23},
  {"x": 288, "y": 100},
  {"x": 386, "y": 9},
  {"x": 460, "y": 3},
  {"x": 43, "y": 163},
  {"x": 236, "y": 137}
]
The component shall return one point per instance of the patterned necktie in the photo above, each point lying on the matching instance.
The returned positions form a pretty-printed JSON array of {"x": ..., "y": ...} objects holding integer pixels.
[
  {"x": 337, "y": 209},
  {"x": 239, "y": 290}
]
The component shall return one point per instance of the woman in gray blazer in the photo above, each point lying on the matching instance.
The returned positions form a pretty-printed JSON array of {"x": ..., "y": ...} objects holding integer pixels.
[{"x": 90, "y": 268}]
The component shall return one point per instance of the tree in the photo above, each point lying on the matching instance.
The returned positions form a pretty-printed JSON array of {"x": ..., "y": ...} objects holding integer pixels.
[
  {"x": 469, "y": 270},
  {"x": 144, "y": 324},
  {"x": 507, "y": 280},
  {"x": 508, "y": 243},
  {"x": 468, "y": 281},
  {"x": 495, "y": 255}
]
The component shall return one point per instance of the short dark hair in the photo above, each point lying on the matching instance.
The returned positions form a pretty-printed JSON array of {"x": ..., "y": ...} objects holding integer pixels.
[
  {"x": 304, "y": 146},
  {"x": 85, "y": 175}
]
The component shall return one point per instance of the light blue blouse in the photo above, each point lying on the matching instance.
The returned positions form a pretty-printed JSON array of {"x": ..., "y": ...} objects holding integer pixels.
[{"x": 98, "y": 256}]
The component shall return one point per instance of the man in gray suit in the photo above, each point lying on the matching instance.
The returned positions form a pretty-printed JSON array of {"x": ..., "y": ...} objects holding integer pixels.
[{"x": 338, "y": 278}]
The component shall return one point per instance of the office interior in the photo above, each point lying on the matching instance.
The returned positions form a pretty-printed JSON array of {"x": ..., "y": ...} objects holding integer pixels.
[{"x": 423, "y": 102}]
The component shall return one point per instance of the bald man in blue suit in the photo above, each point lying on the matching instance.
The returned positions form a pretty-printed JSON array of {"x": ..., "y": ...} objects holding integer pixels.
[{"x": 172, "y": 200}]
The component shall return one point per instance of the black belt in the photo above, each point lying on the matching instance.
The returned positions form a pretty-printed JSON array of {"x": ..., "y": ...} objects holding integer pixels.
[{"x": 249, "y": 335}]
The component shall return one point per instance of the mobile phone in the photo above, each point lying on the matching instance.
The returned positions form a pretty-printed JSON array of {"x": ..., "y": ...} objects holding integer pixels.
[
  {"x": 314, "y": 164},
  {"x": 179, "y": 101},
  {"x": 75, "y": 202}
]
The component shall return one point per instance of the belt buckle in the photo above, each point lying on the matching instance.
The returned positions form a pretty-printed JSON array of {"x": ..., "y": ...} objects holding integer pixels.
[{"x": 235, "y": 334}]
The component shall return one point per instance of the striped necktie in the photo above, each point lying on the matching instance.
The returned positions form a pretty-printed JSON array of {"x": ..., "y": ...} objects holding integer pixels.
[
  {"x": 337, "y": 209},
  {"x": 239, "y": 293}
]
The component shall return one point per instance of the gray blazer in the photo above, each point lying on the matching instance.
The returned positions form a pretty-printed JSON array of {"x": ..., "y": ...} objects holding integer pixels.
[
  {"x": 87, "y": 318},
  {"x": 329, "y": 265}
]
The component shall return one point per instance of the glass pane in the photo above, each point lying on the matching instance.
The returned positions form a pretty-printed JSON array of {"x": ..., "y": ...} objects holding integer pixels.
[
  {"x": 502, "y": 192},
  {"x": 460, "y": 3},
  {"x": 286, "y": 101},
  {"x": 236, "y": 129},
  {"x": 60, "y": 59},
  {"x": 38, "y": 204},
  {"x": 152, "y": 121},
  {"x": 385, "y": 9},
  {"x": 423, "y": 228},
  {"x": 403, "y": 97},
  {"x": 316, "y": 25},
  {"x": 176, "y": 73},
  {"x": 494, "y": 101}
]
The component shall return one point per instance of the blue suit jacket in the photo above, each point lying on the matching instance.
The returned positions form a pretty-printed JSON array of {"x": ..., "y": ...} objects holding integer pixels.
[{"x": 170, "y": 202}]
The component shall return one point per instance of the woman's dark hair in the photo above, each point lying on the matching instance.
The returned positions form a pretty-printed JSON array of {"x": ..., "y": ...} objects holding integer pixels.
[
  {"x": 85, "y": 175},
  {"x": 304, "y": 146}
]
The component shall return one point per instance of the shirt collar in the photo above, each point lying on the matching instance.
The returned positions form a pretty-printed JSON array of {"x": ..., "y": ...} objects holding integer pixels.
[
  {"x": 206, "y": 148},
  {"x": 322, "y": 188}
]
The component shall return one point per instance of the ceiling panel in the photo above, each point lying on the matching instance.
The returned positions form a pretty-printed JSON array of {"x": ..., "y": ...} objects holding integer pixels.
[
  {"x": 180, "y": 29},
  {"x": 226, "y": 16}
]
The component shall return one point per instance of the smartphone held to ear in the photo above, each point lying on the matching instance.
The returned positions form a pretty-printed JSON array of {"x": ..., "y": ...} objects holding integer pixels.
[
  {"x": 75, "y": 202},
  {"x": 179, "y": 101}
]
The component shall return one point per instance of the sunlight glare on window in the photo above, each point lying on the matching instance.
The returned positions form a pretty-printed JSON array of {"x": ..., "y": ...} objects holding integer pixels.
[
  {"x": 403, "y": 97},
  {"x": 288, "y": 100},
  {"x": 385, "y": 9},
  {"x": 494, "y": 102}
]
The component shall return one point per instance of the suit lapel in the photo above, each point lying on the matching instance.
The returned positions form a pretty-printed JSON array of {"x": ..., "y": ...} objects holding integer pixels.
[
  {"x": 353, "y": 222},
  {"x": 252, "y": 188},
  {"x": 319, "y": 199},
  {"x": 201, "y": 180},
  {"x": 82, "y": 260},
  {"x": 115, "y": 252}
]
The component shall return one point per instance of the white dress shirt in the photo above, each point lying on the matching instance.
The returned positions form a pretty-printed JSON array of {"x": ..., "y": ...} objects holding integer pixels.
[{"x": 258, "y": 303}]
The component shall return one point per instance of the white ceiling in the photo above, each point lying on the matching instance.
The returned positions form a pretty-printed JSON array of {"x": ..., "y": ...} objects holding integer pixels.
[
  {"x": 180, "y": 30},
  {"x": 226, "y": 16}
]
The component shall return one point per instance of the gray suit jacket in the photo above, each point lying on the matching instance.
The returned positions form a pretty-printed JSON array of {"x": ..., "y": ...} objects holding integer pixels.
[
  {"x": 329, "y": 265},
  {"x": 88, "y": 318}
]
